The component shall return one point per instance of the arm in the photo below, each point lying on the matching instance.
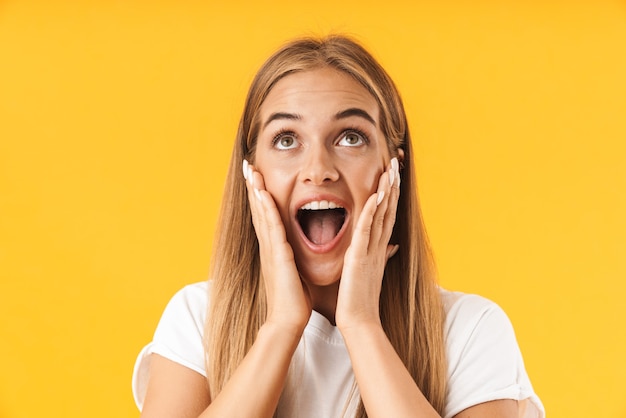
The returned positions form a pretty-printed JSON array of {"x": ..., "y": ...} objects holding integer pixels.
[
  {"x": 386, "y": 387},
  {"x": 174, "y": 390},
  {"x": 255, "y": 387},
  {"x": 502, "y": 408},
  {"x": 253, "y": 391}
]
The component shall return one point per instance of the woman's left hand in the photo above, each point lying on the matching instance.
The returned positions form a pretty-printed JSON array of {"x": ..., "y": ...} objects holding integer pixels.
[{"x": 365, "y": 259}]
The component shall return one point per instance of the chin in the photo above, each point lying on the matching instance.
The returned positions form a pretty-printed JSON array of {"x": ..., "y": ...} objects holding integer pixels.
[{"x": 320, "y": 274}]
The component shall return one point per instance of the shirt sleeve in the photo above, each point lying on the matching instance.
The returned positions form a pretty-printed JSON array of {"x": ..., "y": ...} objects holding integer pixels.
[
  {"x": 484, "y": 359},
  {"x": 178, "y": 337}
]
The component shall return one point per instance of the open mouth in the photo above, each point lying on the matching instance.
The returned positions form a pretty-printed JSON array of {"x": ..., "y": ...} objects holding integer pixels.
[{"x": 321, "y": 221}]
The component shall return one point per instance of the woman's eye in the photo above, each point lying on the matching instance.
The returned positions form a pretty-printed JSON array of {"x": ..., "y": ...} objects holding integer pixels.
[
  {"x": 285, "y": 142},
  {"x": 352, "y": 139}
]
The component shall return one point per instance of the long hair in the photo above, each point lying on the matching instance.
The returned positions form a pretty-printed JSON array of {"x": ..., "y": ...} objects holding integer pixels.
[{"x": 410, "y": 306}]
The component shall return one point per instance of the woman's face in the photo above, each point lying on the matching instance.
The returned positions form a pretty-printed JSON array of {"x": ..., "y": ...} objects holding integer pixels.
[{"x": 321, "y": 152}]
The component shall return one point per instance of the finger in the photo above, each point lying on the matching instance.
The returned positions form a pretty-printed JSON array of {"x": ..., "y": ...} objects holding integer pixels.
[
  {"x": 265, "y": 205},
  {"x": 362, "y": 232},
  {"x": 255, "y": 178},
  {"x": 271, "y": 216},
  {"x": 392, "y": 202},
  {"x": 255, "y": 200},
  {"x": 371, "y": 221},
  {"x": 270, "y": 229},
  {"x": 378, "y": 222}
]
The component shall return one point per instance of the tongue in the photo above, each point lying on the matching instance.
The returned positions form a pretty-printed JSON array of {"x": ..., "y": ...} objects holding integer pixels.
[{"x": 321, "y": 226}]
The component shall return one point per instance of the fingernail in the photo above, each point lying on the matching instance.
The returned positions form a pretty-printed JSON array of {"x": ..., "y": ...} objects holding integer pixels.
[
  {"x": 392, "y": 174},
  {"x": 250, "y": 175},
  {"x": 258, "y": 195},
  {"x": 380, "y": 197},
  {"x": 245, "y": 169},
  {"x": 394, "y": 164}
]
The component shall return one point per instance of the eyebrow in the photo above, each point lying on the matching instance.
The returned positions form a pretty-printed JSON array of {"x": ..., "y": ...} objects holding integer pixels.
[
  {"x": 355, "y": 111},
  {"x": 344, "y": 114},
  {"x": 279, "y": 116}
]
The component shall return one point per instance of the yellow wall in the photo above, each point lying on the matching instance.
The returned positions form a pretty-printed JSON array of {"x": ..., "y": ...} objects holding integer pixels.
[{"x": 116, "y": 124}]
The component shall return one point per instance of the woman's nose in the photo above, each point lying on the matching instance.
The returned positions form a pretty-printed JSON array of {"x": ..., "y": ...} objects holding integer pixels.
[{"x": 319, "y": 166}]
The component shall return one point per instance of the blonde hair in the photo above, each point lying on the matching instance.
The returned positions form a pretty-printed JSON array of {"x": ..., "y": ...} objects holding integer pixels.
[{"x": 410, "y": 305}]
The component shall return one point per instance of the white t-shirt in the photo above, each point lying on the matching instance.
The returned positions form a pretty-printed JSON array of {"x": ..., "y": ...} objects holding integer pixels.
[{"x": 484, "y": 360}]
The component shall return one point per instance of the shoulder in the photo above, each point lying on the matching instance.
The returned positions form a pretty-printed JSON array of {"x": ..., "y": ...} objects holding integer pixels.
[
  {"x": 194, "y": 294},
  {"x": 484, "y": 359},
  {"x": 178, "y": 336},
  {"x": 466, "y": 303},
  {"x": 183, "y": 319},
  {"x": 191, "y": 299},
  {"x": 465, "y": 311},
  {"x": 475, "y": 325}
]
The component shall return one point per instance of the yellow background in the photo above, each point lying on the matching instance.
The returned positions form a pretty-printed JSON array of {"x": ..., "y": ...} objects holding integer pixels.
[{"x": 116, "y": 124}]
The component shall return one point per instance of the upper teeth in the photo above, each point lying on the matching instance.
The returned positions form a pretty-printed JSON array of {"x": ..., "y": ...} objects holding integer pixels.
[{"x": 319, "y": 205}]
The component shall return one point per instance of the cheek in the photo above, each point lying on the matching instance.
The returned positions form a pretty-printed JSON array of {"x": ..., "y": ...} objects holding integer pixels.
[
  {"x": 278, "y": 185},
  {"x": 365, "y": 184}
]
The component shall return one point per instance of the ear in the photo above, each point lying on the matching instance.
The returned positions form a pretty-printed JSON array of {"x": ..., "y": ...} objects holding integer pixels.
[{"x": 400, "y": 152}]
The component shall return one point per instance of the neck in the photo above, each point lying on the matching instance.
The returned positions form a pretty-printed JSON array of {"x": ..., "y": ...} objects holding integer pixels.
[{"x": 324, "y": 299}]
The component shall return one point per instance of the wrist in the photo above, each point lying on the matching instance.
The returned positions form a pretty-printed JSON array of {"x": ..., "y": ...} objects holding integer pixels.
[
  {"x": 360, "y": 327},
  {"x": 283, "y": 330}
]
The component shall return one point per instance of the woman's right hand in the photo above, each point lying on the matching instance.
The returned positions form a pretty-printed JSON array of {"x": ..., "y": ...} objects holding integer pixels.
[{"x": 288, "y": 300}]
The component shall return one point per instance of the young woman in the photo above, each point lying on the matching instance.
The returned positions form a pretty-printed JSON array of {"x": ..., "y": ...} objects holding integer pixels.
[{"x": 322, "y": 300}]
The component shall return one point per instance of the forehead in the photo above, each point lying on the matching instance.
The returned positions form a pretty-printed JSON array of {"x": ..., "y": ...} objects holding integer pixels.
[{"x": 319, "y": 91}]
